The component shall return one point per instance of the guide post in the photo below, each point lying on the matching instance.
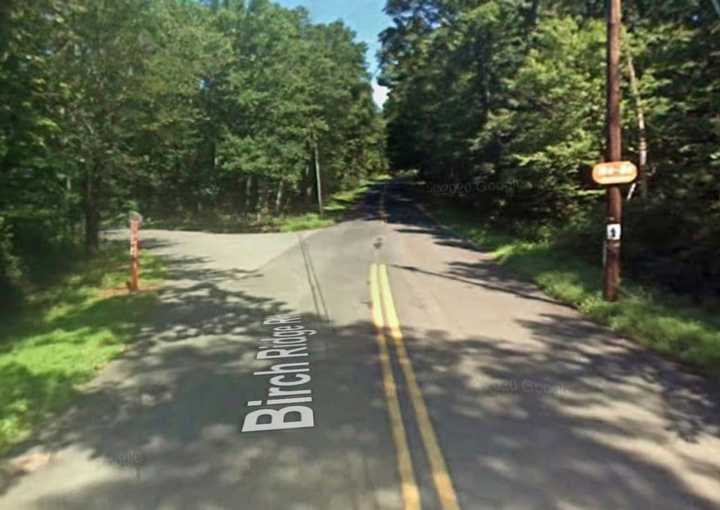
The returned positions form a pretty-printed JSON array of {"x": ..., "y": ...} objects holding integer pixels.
[{"x": 135, "y": 221}]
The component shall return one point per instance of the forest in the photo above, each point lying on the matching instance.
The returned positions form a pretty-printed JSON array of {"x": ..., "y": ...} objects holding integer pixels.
[
  {"x": 174, "y": 108},
  {"x": 500, "y": 104},
  {"x": 199, "y": 109}
]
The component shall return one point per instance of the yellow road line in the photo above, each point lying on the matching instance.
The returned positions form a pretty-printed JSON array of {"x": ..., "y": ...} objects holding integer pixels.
[
  {"x": 440, "y": 475},
  {"x": 410, "y": 492}
]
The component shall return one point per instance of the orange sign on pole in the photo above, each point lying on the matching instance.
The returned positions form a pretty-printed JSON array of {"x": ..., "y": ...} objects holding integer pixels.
[{"x": 616, "y": 172}]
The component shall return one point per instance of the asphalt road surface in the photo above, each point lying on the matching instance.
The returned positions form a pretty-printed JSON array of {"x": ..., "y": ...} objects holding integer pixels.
[{"x": 378, "y": 364}]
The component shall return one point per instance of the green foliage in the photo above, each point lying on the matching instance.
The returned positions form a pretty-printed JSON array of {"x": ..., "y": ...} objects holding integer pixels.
[
  {"x": 174, "y": 108},
  {"x": 506, "y": 100}
]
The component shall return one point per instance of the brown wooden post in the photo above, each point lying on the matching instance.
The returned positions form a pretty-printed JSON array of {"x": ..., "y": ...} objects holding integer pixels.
[
  {"x": 135, "y": 255},
  {"x": 611, "y": 272}
]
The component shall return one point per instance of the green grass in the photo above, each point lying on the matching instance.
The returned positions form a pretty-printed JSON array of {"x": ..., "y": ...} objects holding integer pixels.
[
  {"x": 333, "y": 211},
  {"x": 64, "y": 333},
  {"x": 668, "y": 324},
  {"x": 307, "y": 221}
]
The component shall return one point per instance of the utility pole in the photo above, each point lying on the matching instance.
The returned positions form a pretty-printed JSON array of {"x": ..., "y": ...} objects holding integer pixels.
[
  {"x": 611, "y": 272},
  {"x": 318, "y": 180}
]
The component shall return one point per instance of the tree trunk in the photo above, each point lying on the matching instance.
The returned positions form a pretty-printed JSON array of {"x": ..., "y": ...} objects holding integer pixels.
[
  {"x": 533, "y": 13},
  {"x": 247, "y": 195},
  {"x": 240, "y": 195},
  {"x": 264, "y": 194},
  {"x": 213, "y": 157},
  {"x": 642, "y": 133},
  {"x": 254, "y": 195},
  {"x": 309, "y": 186},
  {"x": 92, "y": 214},
  {"x": 279, "y": 197},
  {"x": 318, "y": 180},
  {"x": 716, "y": 4},
  {"x": 267, "y": 197}
]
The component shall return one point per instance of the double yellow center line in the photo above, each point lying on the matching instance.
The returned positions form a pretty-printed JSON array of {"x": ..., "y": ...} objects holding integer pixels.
[{"x": 386, "y": 323}]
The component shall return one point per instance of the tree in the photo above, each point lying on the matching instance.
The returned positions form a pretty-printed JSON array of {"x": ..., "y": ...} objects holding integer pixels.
[
  {"x": 505, "y": 98},
  {"x": 174, "y": 107}
]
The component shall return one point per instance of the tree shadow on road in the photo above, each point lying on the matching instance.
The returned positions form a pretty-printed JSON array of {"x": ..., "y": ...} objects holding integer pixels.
[
  {"x": 164, "y": 421},
  {"x": 586, "y": 421}
]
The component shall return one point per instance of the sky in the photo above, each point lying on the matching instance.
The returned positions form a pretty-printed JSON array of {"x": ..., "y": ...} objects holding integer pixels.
[{"x": 365, "y": 17}]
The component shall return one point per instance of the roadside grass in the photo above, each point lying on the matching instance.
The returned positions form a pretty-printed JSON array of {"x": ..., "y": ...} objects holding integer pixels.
[
  {"x": 668, "y": 324},
  {"x": 307, "y": 221},
  {"x": 334, "y": 210},
  {"x": 64, "y": 333}
]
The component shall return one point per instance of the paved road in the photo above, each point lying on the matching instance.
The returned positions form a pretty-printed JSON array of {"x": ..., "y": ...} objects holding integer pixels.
[{"x": 407, "y": 371}]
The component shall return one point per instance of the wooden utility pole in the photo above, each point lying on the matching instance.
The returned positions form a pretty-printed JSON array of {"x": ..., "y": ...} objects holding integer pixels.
[{"x": 611, "y": 272}]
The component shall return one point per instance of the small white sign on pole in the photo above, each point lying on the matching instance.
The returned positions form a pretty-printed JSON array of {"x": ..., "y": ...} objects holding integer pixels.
[{"x": 614, "y": 232}]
